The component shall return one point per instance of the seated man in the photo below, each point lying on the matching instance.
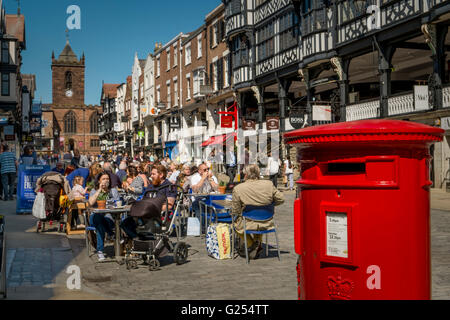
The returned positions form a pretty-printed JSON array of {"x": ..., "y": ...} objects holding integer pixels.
[
  {"x": 156, "y": 190},
  {"x": 254, "y": 192},
  {"x": 203, "y": 182}
]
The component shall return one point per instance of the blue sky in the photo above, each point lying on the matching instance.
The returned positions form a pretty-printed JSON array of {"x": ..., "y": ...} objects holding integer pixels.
[{"x": 111, "y": 32}]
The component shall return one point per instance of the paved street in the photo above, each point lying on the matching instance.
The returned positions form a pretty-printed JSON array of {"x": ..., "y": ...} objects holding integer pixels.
[{"x": 37, "y": 265}]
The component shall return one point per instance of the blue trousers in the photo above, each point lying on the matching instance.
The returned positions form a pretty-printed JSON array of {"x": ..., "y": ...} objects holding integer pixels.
[{"x": 102, "y": 225}]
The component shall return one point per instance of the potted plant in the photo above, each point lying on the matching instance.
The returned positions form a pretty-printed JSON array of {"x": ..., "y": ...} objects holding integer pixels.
[
  {"x": 222, "y": 187},
  {"x": 101, "y": 200}
]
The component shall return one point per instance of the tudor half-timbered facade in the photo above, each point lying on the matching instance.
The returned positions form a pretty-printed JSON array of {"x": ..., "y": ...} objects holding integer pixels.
[{"x": 310, "y": 62}]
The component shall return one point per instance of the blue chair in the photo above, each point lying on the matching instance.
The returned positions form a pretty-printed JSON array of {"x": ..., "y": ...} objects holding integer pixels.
[{"x": 260, "y": 214}]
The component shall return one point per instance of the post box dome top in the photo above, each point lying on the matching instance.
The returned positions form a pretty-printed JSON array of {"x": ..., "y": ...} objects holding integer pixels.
[{"x": 366, "y": 131}]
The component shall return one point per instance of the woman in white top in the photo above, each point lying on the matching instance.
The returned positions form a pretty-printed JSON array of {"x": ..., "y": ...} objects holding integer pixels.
[{"x": 289, "y": 172}]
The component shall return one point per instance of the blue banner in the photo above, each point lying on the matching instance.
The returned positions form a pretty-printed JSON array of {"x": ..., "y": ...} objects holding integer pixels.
[{"x": 26, "y": 183}]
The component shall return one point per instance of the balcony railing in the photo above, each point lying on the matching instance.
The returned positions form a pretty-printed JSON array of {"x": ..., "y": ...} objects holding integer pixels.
[
  {"x": 364, "y": 110},
  {"x": 397, "y": 105}
]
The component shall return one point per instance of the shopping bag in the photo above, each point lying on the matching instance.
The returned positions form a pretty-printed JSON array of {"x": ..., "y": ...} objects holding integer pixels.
[
  {"x": 218, "y": 241},
  {"x": 39, "y": 206},
  {"x": 193, "y": 227}
]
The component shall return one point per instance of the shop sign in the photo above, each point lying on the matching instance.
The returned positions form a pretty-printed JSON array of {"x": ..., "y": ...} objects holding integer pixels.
[
  {"x": 226, "y": 121},
  {"x": 174, "y": 123},
  {"x": 297, "y": 119},
  {"x": 321, "y": 113},
  {"x": 273, "y": 123},
  {"x": 249, "y": 125},
  {"x": 141, "y": 134},
  {"x": 421, "y": 101},
  {"x": 445, "y": 123},
  {"x": 9, "y": 133}
]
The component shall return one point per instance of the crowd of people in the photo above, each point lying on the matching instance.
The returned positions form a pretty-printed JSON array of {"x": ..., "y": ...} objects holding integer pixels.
[{"x": 96, "y": 176}]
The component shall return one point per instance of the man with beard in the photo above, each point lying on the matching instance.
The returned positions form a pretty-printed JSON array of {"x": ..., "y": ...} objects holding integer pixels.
[{"x": 155, "y": 190}]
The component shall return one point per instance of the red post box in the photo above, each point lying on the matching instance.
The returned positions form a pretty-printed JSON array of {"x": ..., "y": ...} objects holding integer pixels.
[{"x": 362, "y": 218}]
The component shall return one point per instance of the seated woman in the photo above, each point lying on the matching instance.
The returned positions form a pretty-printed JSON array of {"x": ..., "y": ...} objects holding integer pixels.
[
  {"x": 142, "y": 173},
  {"x": 136, "y": 186},
  {"x": 103, "y": 223}
]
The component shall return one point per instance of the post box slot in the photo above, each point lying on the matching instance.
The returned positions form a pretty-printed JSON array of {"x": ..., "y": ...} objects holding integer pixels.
[{"x": 346, "y": 168}]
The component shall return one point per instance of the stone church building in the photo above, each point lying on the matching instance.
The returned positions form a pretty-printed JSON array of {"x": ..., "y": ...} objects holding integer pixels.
[{"x": 75, "y": 124}]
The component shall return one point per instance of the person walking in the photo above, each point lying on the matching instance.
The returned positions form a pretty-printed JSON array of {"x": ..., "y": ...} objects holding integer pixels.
[
  {"x": 8, "y": 164},
  {"x": 289, "y": 172},
  {"x": 273, "y": 166},
  {"x": 231, "y": 165}
]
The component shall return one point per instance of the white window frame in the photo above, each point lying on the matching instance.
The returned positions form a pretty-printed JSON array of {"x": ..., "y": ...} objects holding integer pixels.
[
  {"x": 168, "y": 94},
  {"x": 175, "y": 55},
  {"x": 199, "y": 79},
  {"x": 199, "y": 47},
  {"x": 188, "y": 87},
  {"x": 158, "y": 94},
  {"x": 158, "y": 66},
  {"x": 215, "y": 34},
  {"x": 175, "y": 91},
  {"x": 188, "y": 57},
  {"x": 168, "y": 59},
  {"x": 226, "y": 82}
]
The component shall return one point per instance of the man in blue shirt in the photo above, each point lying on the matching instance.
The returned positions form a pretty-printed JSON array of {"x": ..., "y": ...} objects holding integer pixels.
[
  {"x": 59, "y": 168},
  {"x": 8, "y": 164}
]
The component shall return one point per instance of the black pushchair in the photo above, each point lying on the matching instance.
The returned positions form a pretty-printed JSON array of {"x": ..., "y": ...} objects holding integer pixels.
[
  {"x": 154, "y": 228},
  {"x": 52, "y": 185}
]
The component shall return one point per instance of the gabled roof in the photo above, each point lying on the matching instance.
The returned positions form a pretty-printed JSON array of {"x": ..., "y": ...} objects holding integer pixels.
[
  {"x": 110, "y": 90},
  {"x": 15, "y": 26}
]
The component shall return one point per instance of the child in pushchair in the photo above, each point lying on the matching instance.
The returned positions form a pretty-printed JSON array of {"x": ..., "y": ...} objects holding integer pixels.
[
  {"x": 150, "y": 227},
  {"x": 55, "y": 188}
]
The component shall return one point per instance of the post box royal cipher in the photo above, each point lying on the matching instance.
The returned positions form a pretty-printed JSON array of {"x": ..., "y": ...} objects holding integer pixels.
[{"x": 362, "y": 217}]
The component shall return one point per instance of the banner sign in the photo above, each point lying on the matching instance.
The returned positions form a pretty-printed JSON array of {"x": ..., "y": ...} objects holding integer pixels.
[
  {"x": 27, "y": 178},
  {"x": 226, "y": 121}
]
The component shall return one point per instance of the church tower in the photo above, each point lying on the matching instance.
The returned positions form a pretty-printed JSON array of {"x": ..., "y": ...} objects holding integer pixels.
[{"x": 68, "y": 78}]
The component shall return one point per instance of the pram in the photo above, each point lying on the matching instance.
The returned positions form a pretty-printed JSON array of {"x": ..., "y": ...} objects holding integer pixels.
[
  {"x": 52, "y": 184},
  {"x": 153, "y": 230}
]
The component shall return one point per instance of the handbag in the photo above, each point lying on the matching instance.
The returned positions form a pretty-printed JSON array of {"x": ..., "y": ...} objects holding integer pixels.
[
  {"x": 218, "y": 241},
  {"x": 39, "y": 206}
]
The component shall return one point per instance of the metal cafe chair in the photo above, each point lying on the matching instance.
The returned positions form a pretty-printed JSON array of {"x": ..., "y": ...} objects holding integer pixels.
[{"x": 259, "y": 213}]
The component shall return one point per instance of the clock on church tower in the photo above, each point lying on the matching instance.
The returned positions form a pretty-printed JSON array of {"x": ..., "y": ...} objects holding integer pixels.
[{"x": 68, "y": 78}]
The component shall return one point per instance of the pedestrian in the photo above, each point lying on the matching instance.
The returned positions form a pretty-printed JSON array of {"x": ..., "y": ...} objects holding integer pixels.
[
  {"x": 122, "y": 172},
  {"x": 273, "y": 168},
  {"x": 27, "y": 157},
  {"x": 59, "y": 168},
  {"x": 76, "y": 159},
  {"x": 8, "y": 164},
  {"x": 289, "y": 172},
  {"x": 255, "y": 192},
  {"x": 230, "y": 165}
]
